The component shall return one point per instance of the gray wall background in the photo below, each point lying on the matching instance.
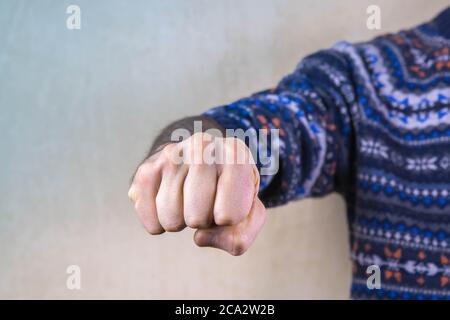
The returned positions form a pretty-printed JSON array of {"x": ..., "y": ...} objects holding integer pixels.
[{"x": 79, "y": 108}]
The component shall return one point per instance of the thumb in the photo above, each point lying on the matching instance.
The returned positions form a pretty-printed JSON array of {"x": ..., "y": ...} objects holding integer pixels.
[{"x": 234, "y": 239}]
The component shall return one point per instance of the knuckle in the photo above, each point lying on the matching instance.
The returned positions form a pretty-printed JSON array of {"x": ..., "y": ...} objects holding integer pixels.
[
  {"x": 195, "y": 147},
  {"x": 174, "y": 157},
  {"x": 133, "y": 193},
  {"x": 196, "y": 169},
  {"x": 145, "y": 173},
  {"x": 169, "y": 157},
  {"x": 169, "y": 168},
  {"x": 167, "y": 150}
]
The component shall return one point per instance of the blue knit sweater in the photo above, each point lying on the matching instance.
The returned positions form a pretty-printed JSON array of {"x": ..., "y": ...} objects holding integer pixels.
[{"x": 370, "y": 121}]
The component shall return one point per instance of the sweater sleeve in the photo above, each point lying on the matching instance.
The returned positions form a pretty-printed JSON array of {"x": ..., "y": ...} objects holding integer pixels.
[{"x": 311, "y": 111}]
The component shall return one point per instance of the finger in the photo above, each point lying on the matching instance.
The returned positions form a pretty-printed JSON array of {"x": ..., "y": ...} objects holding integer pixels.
[
  {"x": 234, "y": 239},
  {"x": 199, "y": 193},
  {"x": 169, "y": 200},
  {"x": 236, "y": 189},
  {"x": 143, "y": 193},
  {"x": 237, "y": 186}
]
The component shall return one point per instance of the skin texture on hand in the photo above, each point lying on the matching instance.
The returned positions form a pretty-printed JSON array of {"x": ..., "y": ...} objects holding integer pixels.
[{"x": 179, "y": 187}]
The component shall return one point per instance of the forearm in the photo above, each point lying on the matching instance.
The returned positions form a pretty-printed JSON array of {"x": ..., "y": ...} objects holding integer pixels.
[{"x": 310, "y": 110}]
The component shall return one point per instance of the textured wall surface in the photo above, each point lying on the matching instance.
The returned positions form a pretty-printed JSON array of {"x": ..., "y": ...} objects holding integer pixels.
[{"x": 78, "y": 109}]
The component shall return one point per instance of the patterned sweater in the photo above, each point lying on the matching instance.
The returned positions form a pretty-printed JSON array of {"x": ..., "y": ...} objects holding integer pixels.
[{"x": 370, "y": 121}]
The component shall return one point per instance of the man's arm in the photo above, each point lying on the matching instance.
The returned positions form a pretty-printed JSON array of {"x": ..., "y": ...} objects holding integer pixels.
[{"x": 310, "y": 108}]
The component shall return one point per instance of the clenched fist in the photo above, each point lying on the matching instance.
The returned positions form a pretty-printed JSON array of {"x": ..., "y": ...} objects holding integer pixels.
[{"x": 203, "y": 182}]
